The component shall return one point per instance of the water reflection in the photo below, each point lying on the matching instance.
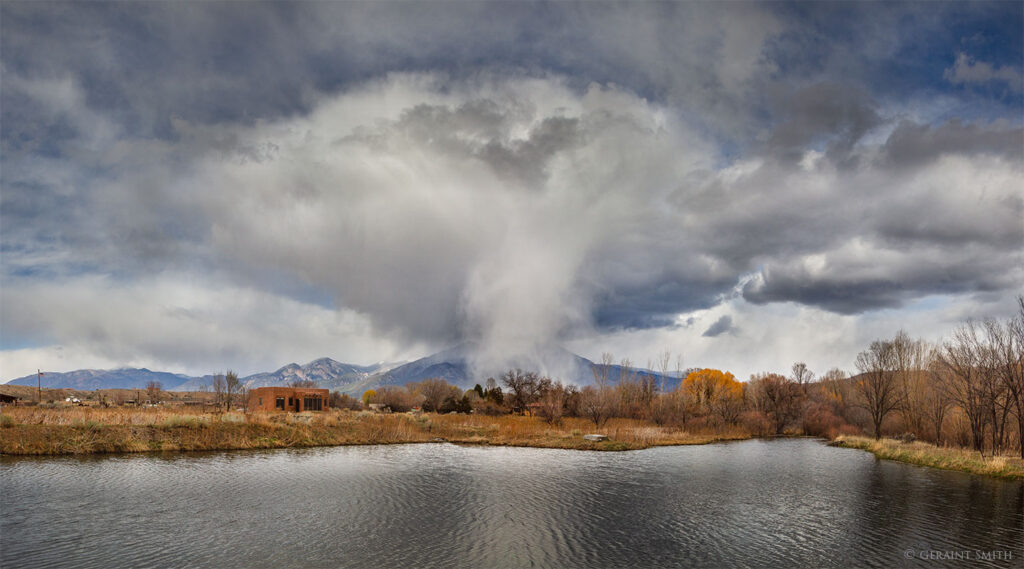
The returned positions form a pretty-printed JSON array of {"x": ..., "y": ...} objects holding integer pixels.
[{"x": 789, "y": 503}]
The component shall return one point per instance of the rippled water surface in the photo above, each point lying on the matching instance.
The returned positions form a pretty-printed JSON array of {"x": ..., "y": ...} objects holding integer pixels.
[{"x": 787, "y": 503}]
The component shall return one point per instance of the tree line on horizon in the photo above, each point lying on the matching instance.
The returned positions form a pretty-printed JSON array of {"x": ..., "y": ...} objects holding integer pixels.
[{"x": 966, "y": 390}]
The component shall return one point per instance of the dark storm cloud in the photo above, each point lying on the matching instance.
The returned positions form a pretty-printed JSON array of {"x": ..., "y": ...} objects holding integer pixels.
[
  {"x": 738, "y": 70},
  {"x": 833, "y": 116},
  {"x": 854, "y": 292},
  {"x": 913, "y": 144},
  {"x": 721, "y": 326}
]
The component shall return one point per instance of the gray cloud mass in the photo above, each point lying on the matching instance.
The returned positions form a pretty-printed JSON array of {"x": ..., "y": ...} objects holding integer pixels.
[
  {"x": 721, "y": 326},
  {"x": 548, "y": 169}
]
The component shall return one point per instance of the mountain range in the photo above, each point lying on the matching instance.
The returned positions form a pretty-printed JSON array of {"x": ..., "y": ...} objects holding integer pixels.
[{"x": 459, "y": 365}]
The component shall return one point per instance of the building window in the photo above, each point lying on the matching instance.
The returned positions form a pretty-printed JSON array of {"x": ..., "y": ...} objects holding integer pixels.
[
  {"x": 261, "y": 402},
  {"x": 313, "y": 404},
  {"x": 279, "y": 403}
]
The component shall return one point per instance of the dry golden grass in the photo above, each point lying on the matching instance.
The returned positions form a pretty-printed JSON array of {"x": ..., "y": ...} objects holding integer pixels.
[
  {"x": 924, "y": 454},
  {"x": 77, "y": 430}
]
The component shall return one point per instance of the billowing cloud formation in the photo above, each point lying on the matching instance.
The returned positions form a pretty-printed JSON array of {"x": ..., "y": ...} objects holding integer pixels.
[{"x": 508, "y": 188}]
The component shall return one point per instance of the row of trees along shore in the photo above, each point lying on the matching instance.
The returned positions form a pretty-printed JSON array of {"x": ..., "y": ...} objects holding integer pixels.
[{"x": 966, "y": 390}]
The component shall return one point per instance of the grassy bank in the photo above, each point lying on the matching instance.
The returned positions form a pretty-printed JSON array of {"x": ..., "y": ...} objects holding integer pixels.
[
  {"x": 924, "y": 454},
  {"x": 38, "y": 431}
]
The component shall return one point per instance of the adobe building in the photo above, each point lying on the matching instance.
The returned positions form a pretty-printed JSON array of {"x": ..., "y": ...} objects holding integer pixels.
[{"x": 288, "y": 399}]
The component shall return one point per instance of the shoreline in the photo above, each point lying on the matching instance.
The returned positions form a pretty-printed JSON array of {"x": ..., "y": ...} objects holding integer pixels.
[
  {"x": 42, "y": 432},
  {"x": 165, "y": 446},
  {"x": 928, "y": 455}
]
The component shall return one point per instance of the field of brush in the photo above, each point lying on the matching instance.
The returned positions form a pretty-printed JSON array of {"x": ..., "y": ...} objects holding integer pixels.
[{"x": 83, "y": 430}]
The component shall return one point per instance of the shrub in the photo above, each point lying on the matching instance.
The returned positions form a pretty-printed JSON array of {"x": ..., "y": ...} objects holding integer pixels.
[
  {"x": 844, "y": 430},
  {"x": 397, "y": 398},
  {"x": 344, "y": 401},
  {"x": 6, "y": 421},
  {"x": 757, "y": 423},
  {"x": 820, "y": 420},
  {"x": 490, "y": 408}
]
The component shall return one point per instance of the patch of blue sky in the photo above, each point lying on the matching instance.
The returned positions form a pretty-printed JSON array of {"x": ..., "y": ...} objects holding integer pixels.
[
  {"x": 928, "y": 303},
  {"x": 15, "y": 342},
  {"x": 927, "y": 40}
]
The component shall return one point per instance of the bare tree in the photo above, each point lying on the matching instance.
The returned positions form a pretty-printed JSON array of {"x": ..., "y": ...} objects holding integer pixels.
[
  {"x": 434, "y": 391},
  {"x": 339, "y": 400},
  {"x": 802, "y": 375},
  {"x": 909, "y": 362},
  {"x": 999, "y": 401},
  {"x": 219, "y": 385},
  {"x": 1008, "y": 344},
  {"x": 396, "y": 398},
  {"x": 664, "y": 405},
  {"x": 633, "y": 391},
  {"x": 232, "y": 386},
  {"x": 552, "y": 403},
  {"x": 877, "y": 386},
  {"x": 935, "y": 395},
  {"x": 153, "y": 389},
  {"x": 303, "y": 383},
  {"x": 596, "y": 404},
  {"x": 602, "y": 370},
  {"x": 524, "y": 387},
  {"x": 730, "y": 405},
  {"x": 665, "y": 408},
  {"x": 663, "y": 363},
  {"x": 963, "y": 358},
  {"x": 778, "y": 397},
  {"x": 833, "y": 385}
]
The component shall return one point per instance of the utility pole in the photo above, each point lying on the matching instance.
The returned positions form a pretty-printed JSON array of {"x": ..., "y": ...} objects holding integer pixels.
[{"x": 39, "y": 386}]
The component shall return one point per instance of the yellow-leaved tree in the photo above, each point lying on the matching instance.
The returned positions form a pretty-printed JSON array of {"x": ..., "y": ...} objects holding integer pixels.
[
  {"x": 368, "y": 396},
  {"x": 715, "y": 391}
]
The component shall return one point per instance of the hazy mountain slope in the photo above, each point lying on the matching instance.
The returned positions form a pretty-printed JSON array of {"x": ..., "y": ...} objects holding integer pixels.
[
  {"x": 458, "y": 365},
  {"x": 325, "y": 372},
  {"x": 88, "y": 379}
]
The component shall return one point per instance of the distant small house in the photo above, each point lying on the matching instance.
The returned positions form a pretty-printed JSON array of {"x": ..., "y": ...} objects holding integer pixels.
[
  {"x": 8, "y": 399},
  {"x": 288, "y": 399}
]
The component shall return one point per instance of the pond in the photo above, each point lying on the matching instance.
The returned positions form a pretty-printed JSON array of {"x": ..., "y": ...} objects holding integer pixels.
[{"x": 779, "y": 503}]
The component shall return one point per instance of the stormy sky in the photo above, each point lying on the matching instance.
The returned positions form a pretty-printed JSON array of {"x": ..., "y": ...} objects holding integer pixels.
[{"x": 192, "y": 187}]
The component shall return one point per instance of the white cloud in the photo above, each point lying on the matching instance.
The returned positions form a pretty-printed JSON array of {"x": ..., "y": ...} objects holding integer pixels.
[
  {"x": 179, "y": 323},
  {"x": 967, "y": 70},
  {"x": 771, "y": 338}
]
